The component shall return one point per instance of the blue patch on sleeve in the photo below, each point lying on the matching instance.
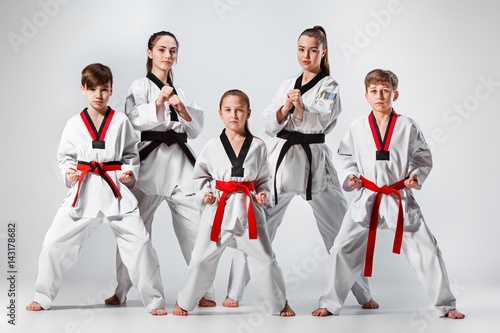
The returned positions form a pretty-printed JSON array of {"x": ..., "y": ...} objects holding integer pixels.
[{"x": 328, "y": 96}]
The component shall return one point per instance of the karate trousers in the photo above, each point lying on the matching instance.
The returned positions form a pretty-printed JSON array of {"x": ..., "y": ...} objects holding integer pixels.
[
  {"x": 262, "y": 265},
  {"x": 329, "y": 208},
  {"x": 185, "y": 219},
  {"x": 63, "y": 242},
  {"x": 347, "y": 259}
]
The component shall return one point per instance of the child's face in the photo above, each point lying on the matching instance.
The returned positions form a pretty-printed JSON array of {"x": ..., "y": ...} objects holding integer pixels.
[
  {"x": 164, "y": 53},
  {"x": 98, "y": 97},
  {"x": 309, "y": 53},
  {"x": 381, "y": 96},
  {"x": 234, "y": 113}
]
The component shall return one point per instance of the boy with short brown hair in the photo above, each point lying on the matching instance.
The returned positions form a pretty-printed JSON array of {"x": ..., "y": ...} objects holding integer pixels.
[
  {"x": 97, "y": 154},
  {"x": 382, "y": 157}
]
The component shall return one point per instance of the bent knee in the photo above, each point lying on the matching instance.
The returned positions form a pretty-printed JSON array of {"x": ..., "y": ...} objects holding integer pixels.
[{"x": 51, "y": 247}]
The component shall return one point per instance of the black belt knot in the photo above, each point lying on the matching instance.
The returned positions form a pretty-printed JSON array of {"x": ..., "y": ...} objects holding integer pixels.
[
  {"x": 297, "y": 138},
  {"x": 169, "y": 138}
]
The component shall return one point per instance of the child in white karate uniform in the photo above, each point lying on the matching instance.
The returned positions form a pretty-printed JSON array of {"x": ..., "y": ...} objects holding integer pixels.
[
  {"x": 232, "y": 178},
  {"x": 95, "y": 164},
  {"x": 382, "y": 157},
  {"x": 303, "y": 110},
  {"x": 166, "y": 118}
]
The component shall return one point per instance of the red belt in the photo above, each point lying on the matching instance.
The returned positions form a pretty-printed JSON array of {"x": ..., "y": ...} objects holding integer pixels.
[
  {"x": 99, "y": 169},
  {"x": 226, "y": 188},
  {"x": 398, "y": 238}
]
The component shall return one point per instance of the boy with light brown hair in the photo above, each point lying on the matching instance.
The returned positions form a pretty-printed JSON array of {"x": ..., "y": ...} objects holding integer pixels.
[{"x": 383, "y": 157}]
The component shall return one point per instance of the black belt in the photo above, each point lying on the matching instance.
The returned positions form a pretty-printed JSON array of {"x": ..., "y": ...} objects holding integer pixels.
[
  {"x": 167, "y": 137},
  {"x": 297, "y": 138},
  {"x": 100, "y": 169}
]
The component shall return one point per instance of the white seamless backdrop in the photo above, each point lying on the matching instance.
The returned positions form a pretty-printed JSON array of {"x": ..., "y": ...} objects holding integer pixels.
[{"x": 445, "y": 54}]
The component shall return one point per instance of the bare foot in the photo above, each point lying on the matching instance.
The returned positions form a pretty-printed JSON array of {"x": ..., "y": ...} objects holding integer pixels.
[
  {"x": 206, "y": 303},
  {"x": 159, "y": 312},
  {"x": 287, "y": 311},
  {"x": 371, "y": 304},
  {"x": 455, "y": 314},
  {"x": 230, "y": 303},
  {"x": 113, "y": 300},
  {"x": 34, "y": 306},
  {"x": 178, "y": 311},
  {"x": 321, "y": 312}
]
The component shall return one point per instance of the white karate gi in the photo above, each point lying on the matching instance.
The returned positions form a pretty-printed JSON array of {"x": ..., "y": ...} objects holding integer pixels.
[
  {"x": 328, "y": 202},
  {"x": 166, "y": 173},
  {"x": 409, "y": 154},
  {"x": 96, "y": 203},
  {"x": 213, "y": 164}
]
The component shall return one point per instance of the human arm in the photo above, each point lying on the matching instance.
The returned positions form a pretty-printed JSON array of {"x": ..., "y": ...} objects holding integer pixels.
[
  {"x": 354, "y": 182},
  {"x": 315, "y": 112},
  {"x": 130, "y": 155},
  {"x": 165, "y": 94},
  {"x": 141, "y": 108},
  {"x": 177, "y": 104},
  {"x": 67, "y": 155},
  {"x": 202, "y": 178},
  {"x": 276, "y": 114},
  {"x": 168, "y": 97},
  {"x": 348, "y": 166},
  {"x": 292, "y": 99},
  {"x": 72, "y": 175},
  {"x": 321, "y": 110},
  {"x": 260, "y": 198},
  {"x": 126, "y": 177},
  {"x": 262, "y": 182},
  {"x": 193, "y": 119},
  {"x": 420, "y": 158},
  {"x": 209, "y": 198},
  {"x": 412, "y": 181}
]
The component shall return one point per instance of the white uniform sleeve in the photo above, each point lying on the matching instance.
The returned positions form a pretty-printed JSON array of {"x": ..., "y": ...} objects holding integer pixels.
[
  {"x": 272, "y": 127},
  {"x": 321, "y": 115},
  {"x": 347, "y": 161},
  {"x": 263, "y": 179},
  {"x": 142, "y": 112},
  {"x": 420, "y": 159},
  {"x": 321, "y": 109},
  {"x": 130, "y": 157},
  {"x": 202, "y": 177},
  {"x": 66, "y": 154},
  {"x": 195, "y": 126}
]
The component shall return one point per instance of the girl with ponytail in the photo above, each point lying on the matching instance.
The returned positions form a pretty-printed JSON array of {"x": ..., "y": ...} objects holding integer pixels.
[
  {"x": 304, "y": 109},
  {"x": 166, "y": 119}
]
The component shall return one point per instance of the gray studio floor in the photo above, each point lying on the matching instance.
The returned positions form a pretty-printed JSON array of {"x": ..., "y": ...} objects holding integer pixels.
[{"x": 79, "y": 308}]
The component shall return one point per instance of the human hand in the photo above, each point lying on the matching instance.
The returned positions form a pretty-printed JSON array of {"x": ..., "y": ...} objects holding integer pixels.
[
  {"x": 287, "y": 106},
  {"x": 354, "y": 182},
  {"x": 72, "y": 175},
  {"x": 176, "y": 103},
  {"x": 260, "y": 198},
  {"x": 126, "y": 177},
  {"x": 209, "y": 198},
  {"x": 165, "y": 94},
  {"x": 412, "y": 181},
  {"x": 294, "y": 96}
]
